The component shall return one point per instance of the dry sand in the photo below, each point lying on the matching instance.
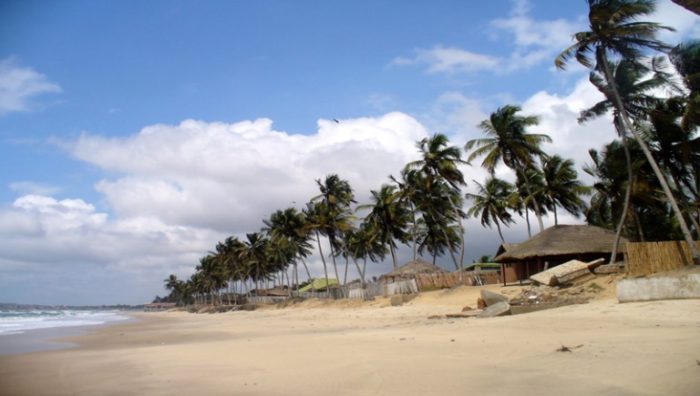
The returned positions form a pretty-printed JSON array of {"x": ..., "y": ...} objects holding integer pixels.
[{"x": 351, "y": 348}]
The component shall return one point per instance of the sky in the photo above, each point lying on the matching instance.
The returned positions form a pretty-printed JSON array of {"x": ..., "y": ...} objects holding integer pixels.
[{"x": 135, "y": 135}]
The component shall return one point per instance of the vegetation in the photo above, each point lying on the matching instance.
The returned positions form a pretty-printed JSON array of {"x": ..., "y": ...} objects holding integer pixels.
[{"x": 646, "y": 180}]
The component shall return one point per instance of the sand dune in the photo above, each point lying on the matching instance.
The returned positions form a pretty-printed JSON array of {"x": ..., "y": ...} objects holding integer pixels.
[{"x": 375, "y": 349}]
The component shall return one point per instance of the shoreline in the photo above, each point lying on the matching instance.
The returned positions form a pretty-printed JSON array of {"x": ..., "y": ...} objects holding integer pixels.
[
  {"x": 53, "y": 338},
  {"x": 632, "y": 348}
]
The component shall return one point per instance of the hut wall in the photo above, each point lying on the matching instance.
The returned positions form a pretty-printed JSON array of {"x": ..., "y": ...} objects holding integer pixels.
[
  {"x": 646, "y": 258},
  {"x": 525, "y": 269}
]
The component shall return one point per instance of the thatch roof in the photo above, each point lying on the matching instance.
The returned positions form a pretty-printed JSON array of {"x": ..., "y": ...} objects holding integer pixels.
[
  {"x": 413, "y": 268},
  {"x": 505, "y": 247},
  {"x": 562, "y": 240}
]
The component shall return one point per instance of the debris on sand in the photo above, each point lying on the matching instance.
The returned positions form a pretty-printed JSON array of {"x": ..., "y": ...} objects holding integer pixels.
[{"x": 565, "y": 348}]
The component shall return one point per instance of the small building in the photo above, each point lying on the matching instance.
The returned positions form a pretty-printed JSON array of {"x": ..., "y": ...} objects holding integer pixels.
[
  {"x": 409, "y": 271},
  {"x": 556, "y": 245},
  {"x": 319, "y": 284}
]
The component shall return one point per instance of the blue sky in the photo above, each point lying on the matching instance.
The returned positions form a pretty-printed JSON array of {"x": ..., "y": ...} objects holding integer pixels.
[{"x": 99, "y": 156}]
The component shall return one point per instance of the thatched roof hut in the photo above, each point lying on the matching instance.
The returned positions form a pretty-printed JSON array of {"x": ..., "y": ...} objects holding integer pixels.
[
  {"x": 505, "y": 247},
  {"x": 410, "y": 270},
  {"x": 559, "y": 244}
]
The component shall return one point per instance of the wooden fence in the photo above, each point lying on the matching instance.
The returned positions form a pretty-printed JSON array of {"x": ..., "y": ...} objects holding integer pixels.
[
  {"x": 645, "y": 258},
  {"x": 451, "y": 279}
]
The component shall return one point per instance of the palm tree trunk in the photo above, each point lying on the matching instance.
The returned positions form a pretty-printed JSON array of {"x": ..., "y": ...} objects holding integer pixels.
[
  {"x": 628, "y": 195},
  {"x": 527, "y": 221},
  {"x": 393, "y": 256},
  {"x": 306, "y": 267},
  {"x": 461, "y": 240},
  {"x": 556, "y": 219},
  {"x": 323, "y": 259},
  {"x": 413, "y": 230},
  {"x": 640, "y": 231},
  {"x": 335, "y": 266},
  {"x": 449, "y": 249},
  {"x": 364, "y": 270},
  {"x": 347, "y": 262},
  {"x": 498, "y": 227},
  {"x": 359, "y": 272},
  {"x": 659, "y": 175},
  {"x": 536, "y": 205}
]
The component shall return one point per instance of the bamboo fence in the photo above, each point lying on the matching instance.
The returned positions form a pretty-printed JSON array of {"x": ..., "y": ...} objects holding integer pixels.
[
  {"x": 645, "y": 258},
  {"x": 451, "y": 279}
]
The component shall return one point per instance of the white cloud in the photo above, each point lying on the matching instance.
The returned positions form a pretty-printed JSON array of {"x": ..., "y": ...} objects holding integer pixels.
[
  {"x": 440, "y": 59},
  {"x": 31, "y": 187},
  {"x": 530, "y": 41},
  {"x": 534, "y": 41},
  {"x": 558, "y": 118},
  {"x": 18, "y": 85},
  {"x": 685, "y": 23},
  {"x": 229, "y": 176},
  {"x": 69, "y": 241}
]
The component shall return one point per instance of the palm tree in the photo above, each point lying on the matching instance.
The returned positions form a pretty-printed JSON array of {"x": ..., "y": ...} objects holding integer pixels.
[
  {"x": 388, "y": 218},
  {"x": 440, "y": 162},
  {"x": 561, "y": 186},
  {"x": 508, "y": 142},
  {"x": 332, "y": 213},
  {"x": 615, "y": 30},
  {"x": 686, "y": 58},
  {"x": 523, "y": 201},
  {"x": 410, "y": 193},
  {"x": 490, "y": 203},
  {"x": 289, "y": 228},
  {"x": 633, "y": 81},
  {"x": 176, "y": 288},
  {"x": 437, "y": 228},
  {"x": 255, "y": 255},
  {"x": 363, "y": 244},
  {"x": 647, "y": 217}
]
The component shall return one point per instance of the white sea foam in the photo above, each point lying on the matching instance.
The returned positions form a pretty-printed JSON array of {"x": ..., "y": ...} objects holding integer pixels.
[{"x": 17, "y": 322}]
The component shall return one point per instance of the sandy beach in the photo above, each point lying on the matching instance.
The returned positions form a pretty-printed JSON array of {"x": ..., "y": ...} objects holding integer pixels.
[{"x": 351, "y": 348}]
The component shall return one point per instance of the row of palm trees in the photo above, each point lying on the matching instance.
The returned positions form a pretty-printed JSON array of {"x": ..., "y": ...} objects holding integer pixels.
[
  {"x": 422, "y": 207},
  {"x": 647, "y": 182}
]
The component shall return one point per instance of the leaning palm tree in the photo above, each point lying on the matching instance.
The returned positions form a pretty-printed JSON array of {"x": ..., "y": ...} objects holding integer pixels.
[
  {"x": 616, "y": 30},
  {"x": 490, "y": 203},
  {"x": 410, "y": 186},
  {"x": 508, "y": 142},
  {"x": 440, "y": 162},
  {"x": 176, "y": 288},
  {"x": 633, "y": 81},
  {"x": 288, "y": 228},
  {"x": 561, "y": 186},
  {"x": 333, "y": 213},
  {"x": 388, "y": 218},
  {"x": 363, "y": 244}
]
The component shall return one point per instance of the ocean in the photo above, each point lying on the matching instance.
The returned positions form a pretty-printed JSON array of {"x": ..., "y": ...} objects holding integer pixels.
[
  {"x": 24, "y": 331},
  {"x": 17, "y": 322}
]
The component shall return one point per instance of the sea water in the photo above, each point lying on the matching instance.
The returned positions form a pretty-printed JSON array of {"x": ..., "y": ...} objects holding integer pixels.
[{"x": 18, "y": 322}]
